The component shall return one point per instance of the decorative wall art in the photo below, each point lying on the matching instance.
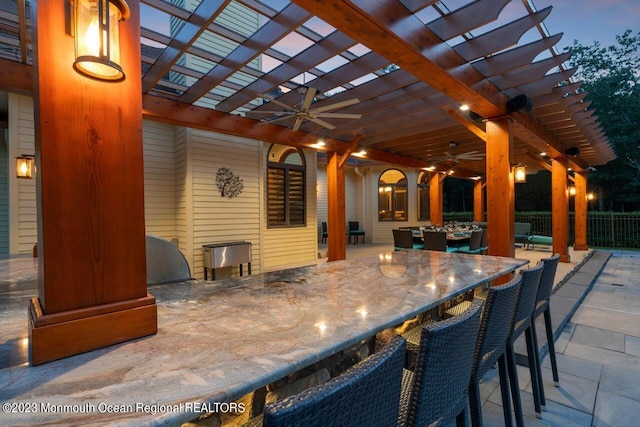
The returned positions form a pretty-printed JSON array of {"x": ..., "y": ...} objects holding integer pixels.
[{"x": 229, "y": 184}]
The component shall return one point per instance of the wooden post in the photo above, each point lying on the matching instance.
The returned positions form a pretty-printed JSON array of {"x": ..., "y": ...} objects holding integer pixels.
[
  {"x": 478, "y": 201},
  {"x": 580, "y": 207},
  {"x": 500, "y": 188},
  {"x": 435, "y": 199},
  {"x": 336, "y": 219},
  {"x": 92, "y": 288},
  {"x": 560, "y": 208}
]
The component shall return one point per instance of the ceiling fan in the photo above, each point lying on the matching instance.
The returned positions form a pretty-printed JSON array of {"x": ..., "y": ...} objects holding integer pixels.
[
  {"x": 451, "y": 156},
  {"x": 305, "y": 112}
]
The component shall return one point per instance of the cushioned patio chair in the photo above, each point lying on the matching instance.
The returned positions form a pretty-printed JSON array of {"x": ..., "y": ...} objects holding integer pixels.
[
  {"x": 325, "y": 232},
  {"x": 367, "y": 394},
  {"x": 550, "y": 266},
  {"x": 403, "y": 239},
  {"x": 522, "y": 324},
  {"x": 438, "y": 389},
  {"x": 437, "y": 241},
  {"x": 354, "y": 230},
  {"x": 495, "y": 325},
  {"x": 475, "y": 243}
]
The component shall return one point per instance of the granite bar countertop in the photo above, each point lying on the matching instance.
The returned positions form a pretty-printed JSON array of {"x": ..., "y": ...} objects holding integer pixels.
[{"x": 218, "y": 340}]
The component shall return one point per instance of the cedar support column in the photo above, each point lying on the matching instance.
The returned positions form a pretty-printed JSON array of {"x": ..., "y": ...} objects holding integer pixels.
[
  {"x": 478, "y": 201},
  {"x": 92, "y": 289},
  {"x": 560, "y": 208},
  {"x": 500, "y": 189},
  {"x": 580, "y": 207},
  {"x": 435, "y": 199},
  {"x": 336, "y": 218}
]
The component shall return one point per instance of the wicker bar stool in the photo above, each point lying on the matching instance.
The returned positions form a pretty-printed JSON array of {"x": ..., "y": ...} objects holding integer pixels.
[
  {"x": 550, "y": 265},
  {"x": 522, "y": 324},
  {"x": 495, "y": 325},
  {"x": 367, "y": 394},
  {"x": 438, "y": 389}
]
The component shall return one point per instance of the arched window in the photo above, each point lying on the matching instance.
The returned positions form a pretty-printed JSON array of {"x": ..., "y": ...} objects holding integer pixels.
[
  {"x": 423, "y": 196},
  {"x": 392, "y": 196},
  {"x": 286, "y": 200}
]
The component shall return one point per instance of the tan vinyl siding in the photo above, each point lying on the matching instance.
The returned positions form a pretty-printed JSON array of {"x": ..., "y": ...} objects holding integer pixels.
[
  {"x": 4, "y": 192},
  {"x": 294, "y": 246},
  {"x": 22, "y": 192},
  {"x": 218, "y": 219},
  {"x": 159, "y": 179}
]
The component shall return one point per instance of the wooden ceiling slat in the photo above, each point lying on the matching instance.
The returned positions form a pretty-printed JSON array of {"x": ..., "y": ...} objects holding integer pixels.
[
  {"x": 432, "y": 133},
  {"x": 514, "y": 58},
  {"x": 316, "y": 54},
  {"x": 389, "y": 107},
  {"x": 405, "y": 117},
  {"x": 528, "y": 75},
  {"x": 275, "y": 29},
  {"x": 168, "y": 8},
  {"x": 401, "y": 37},
  {"x": 562, "y": 103},
  {"x": 359, "y": 67},
  {"x": 437, "y": 121},
  {"x": 206, "y": 12},
  {"x": 467, "y": 18},
  {"x": 554, "y": 97},
  {"x": 417, "y": 5},
  {"x": 500, "y": 38},
  {"x": 544, "y": 86}
]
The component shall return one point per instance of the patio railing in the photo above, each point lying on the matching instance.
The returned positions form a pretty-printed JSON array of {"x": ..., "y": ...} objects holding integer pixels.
[{"x": 604, "y": 229}]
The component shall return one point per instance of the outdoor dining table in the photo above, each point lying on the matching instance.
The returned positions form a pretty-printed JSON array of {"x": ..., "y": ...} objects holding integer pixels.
[{"x": 219, "y": 340}]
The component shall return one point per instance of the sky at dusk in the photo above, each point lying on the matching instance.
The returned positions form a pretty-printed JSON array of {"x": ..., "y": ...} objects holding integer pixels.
[{"x": 591, "y": 20}]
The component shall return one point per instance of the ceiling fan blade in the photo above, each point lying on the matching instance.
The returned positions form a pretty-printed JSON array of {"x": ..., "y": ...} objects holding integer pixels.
[
  {"x": 271, "y": 112},
  {"x": 297, "y": 124},
  {"x": 275, "y": 101},
  {"x": 279, "y": 119},
  {"x": 337, "y": 115},
  {"x": 308, "y": 98},
  {"x": 322, "y": 123},
  {"x": 336, "y": 106}
]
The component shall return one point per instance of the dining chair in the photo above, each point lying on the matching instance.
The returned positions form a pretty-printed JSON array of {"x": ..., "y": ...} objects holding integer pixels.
[
  {"x": 475, "y": 243},
  {"x": 367, "y": 394},
  {"x": 484, "y": 243},
  {"x": 437, "y": 390},
  {"x": 325, "y": 232},
  {"x": 403, "y": 239},
  {"x": 354, "y": 230},
  {"x": 522, "y": 324},
  {"x": 550, "y": 266},
  {"x": 496, "y": 323},
  {"x": 437, "y": 241}
]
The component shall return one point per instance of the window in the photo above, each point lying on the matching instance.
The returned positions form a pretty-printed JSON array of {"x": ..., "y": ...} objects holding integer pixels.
[
  {"x": 392, "y": 196},
  {"x": 423, "y": 196},
  {"x": 286, "y": 199}
]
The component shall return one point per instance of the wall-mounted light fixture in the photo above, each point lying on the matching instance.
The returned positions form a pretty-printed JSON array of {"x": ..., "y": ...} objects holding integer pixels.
[
  {"x": 519, "y": 174},
  {"x": 97, "y": 37},
  {"x": 24, "y": 166},
  {"x": 572, "y": 191},
  {"x": 590, "y": 196}
]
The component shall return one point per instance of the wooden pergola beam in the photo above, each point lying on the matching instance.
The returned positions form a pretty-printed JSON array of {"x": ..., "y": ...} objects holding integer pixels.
[
  {"x": 177, "y": 113},
  {"x": 16, "y": 77}
]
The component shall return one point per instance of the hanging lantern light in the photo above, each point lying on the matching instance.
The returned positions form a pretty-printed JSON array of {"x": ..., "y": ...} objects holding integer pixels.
[
  {"x": 24, "y": 166},
  {"x": 97, "y": 38},
  {"x": 520, "y": 174}
]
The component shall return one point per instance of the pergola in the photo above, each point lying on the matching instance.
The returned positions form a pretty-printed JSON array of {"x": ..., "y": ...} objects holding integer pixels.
[{"x": 410, "y": 64}]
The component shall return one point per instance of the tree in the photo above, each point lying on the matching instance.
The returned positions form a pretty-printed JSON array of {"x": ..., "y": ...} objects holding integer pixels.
[{"x": 611, "y": 76}]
